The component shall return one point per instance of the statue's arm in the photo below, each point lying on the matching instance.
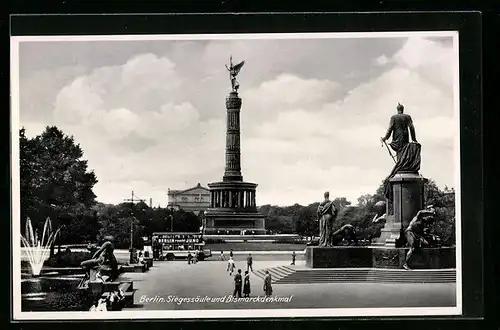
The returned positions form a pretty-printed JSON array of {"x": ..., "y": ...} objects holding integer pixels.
[
  {"x": 389, "y": 130},
  {"x": 423, "y": 213},
  {"x": 412, "y": 130},
  {"x": 101, "y": 249},
  {"x": 98, "y": 252}
]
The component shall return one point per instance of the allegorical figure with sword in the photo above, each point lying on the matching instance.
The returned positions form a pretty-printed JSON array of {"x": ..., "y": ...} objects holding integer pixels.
[{"x": 399, "y": 126}]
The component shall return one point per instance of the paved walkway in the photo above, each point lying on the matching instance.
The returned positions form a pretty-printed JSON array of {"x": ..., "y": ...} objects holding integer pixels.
[{"x": 167, "y": 281}]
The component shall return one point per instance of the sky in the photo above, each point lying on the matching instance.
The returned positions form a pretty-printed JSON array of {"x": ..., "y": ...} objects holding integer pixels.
[{"x": 150, "y": 115}]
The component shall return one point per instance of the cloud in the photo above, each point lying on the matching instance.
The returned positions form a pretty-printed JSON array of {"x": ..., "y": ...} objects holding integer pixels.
[
  {"x": 157, "y": 121},
  {"x": 381, "y": 60}
]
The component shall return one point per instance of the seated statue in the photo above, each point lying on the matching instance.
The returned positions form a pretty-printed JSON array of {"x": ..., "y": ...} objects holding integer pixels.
[
  {"x": 346, "y": 232},
  {"x": 102, "y": 258}
]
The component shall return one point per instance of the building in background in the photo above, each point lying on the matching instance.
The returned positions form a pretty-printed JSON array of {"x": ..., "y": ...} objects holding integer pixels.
[{"x": 194, "y": 199}]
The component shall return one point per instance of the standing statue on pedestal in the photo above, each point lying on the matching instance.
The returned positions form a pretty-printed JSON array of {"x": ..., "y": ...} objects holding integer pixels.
[
  {"x": 326, "y": 215},
  {"x": 233, "y": 72},
  {"x": 407, "y": 158}
]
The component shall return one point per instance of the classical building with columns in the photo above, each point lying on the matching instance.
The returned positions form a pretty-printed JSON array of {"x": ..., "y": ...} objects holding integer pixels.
[
  {"x": 194, "y": 199},
  {"x": 233, "y": 208}
]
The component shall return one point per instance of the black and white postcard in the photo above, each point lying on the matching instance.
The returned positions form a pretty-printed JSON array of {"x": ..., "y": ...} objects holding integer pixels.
[{"x": 236, "y": 175}]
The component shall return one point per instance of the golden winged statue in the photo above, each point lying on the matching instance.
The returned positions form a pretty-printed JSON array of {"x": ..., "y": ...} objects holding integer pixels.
[{"x": 233, "y": 72}]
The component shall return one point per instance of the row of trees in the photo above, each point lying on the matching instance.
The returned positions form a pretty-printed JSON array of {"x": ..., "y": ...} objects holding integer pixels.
[
  {"x": 56, "y": 183},
  {"x": 304, "y": 221}
]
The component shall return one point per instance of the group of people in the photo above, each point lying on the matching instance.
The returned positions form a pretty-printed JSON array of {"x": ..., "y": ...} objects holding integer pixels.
[
  {"x": 231, "y": 265},
  {"x": 242, "y": 282},
  {"x": 239, "y": 281}
]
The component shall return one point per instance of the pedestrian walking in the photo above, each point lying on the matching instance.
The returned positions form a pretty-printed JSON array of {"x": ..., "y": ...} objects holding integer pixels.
[
  {"x": 293, "y": 258},
  {"x": 246, "y": 285},
  {"x": 231, "y": 253},
  {"x": 268, "y": 288},
  {"x": 222, "y": 257},
  {"x": 237, "y": 284},
  {"x": 230, "y": 266},
  {"x": 189, "y": 258},
  {"x": 249, "y": 262}
]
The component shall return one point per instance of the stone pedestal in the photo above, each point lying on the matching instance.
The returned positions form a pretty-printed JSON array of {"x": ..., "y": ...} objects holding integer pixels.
[
  {"x": 408, "y": 199},
  {"x": 379, "y": 257},
  {"x": 338, "y": 257},
  {"x": 390, "y": 234}
]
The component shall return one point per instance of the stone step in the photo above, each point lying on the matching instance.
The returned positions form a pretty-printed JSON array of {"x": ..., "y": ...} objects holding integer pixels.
[
  {"x": 128, "y": 300},
  {"x": 133, "y": 268},
  {"x": 381, "y": 281},
  {"x": 387, "y": 274},
  {"x": 276, "y": 273},
  {"x": 289, "y": 275},
  {"x": 125, "y": 286}
]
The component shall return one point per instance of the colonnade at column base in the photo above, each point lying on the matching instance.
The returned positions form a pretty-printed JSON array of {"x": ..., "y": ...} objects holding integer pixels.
[{"x": 233, "y": 209}]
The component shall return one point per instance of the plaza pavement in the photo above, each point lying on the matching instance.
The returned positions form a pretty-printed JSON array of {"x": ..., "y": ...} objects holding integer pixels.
[{"x": 209, "y": 278}]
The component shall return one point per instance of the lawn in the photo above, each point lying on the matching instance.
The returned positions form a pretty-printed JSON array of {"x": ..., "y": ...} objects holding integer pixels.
[{"x": 256, "y": 247}]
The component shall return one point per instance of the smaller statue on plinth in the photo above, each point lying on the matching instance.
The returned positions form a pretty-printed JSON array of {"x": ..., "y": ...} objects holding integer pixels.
[
  {"x": 417, "y": 231},
  {"x": 327, "y": 212},
  {"x": 345, "y": 233},
  {"x": 233, "y": 72},
  {"x": 102, "y": 258}
]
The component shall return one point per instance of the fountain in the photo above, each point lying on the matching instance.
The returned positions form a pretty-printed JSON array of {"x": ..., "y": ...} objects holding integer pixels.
[
  {"x": 38, "y": 250},
  {"x": 54, "y": 288}
]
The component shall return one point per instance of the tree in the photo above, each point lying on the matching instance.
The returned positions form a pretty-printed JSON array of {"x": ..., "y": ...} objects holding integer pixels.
[
  {"x": 55, "y": 183},
  {"x": 365, "y": 200},
  {"x": 341, "y": 202},
  {"x": 307, "y": 222}
]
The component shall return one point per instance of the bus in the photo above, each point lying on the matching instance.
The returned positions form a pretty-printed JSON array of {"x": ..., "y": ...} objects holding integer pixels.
[{"x": 175, "y": 245}]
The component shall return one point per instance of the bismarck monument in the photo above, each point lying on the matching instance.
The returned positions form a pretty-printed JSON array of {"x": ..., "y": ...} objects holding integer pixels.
[
  {"x": 406, "y": 216},
  {"x": 233, "y": 209},
  {"x": 404, "y": 187}
]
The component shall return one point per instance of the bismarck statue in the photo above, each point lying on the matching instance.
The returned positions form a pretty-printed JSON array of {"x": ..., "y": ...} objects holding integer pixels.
[
  {"x": 407, "y": 158},
  {"x": 399, "y": 126},
  {"x": 233, "y": 72}
]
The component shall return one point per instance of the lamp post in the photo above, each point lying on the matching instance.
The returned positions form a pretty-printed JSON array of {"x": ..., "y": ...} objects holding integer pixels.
[
  {"x": 131, "y": 249},
  {"x": 171, "y": 220}
]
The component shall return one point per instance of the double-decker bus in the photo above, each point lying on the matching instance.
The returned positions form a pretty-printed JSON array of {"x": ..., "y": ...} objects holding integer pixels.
[{"x": 174, "y": 245}]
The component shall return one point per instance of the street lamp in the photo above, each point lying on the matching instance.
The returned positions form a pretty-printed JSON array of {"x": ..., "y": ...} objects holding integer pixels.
[
  {"x": 131, "y": 249},
  {"x": 171, "y": 216}
]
